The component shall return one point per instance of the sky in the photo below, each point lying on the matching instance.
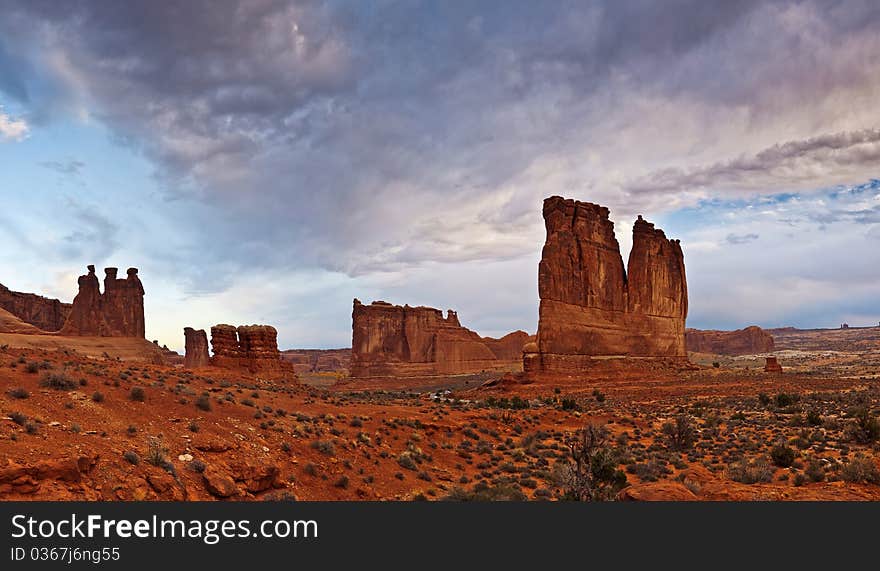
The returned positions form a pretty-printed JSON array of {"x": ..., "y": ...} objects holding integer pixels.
[{"x": 266, "y": 161}]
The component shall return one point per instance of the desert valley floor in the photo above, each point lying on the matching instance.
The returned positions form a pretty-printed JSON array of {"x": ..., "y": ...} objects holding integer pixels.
[{"x": 99, "y": 422}]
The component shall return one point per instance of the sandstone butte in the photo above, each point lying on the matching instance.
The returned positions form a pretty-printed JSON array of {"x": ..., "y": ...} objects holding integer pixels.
[
  {"x": 592, "y": 308},
  {"x": 402, "y": 341},
  {"x": 746, "y": 341},
  {"x": 118, "y": 312},
  {"x": 249, "y": 347}
]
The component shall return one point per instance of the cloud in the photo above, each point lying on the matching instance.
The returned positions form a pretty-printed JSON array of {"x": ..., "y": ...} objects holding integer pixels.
[
  {"x": 395, "y": 140},
  {"x": 817, "y": 161},
  {"x": 736, "y": 239},
  {"x": 69, "y": 167},
  {"x": 12, "y": 129}
]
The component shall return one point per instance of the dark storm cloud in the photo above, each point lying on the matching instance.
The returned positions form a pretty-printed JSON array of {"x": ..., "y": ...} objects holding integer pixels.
[{"x": 362, "y": 137}]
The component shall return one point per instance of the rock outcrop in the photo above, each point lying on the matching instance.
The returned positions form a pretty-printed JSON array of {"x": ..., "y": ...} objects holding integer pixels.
[
  {"x": 250, "y": 347},
  {"x": 772, "y": 365},
  {"x": 41, "y": 312},
  {"x": 118, "y": 312},
  {"x": 591, "y": 306},
  {"x": 196, "y": 345},
  {"x": 402, "y": 341},
  {"x": 746, "y": 341}
]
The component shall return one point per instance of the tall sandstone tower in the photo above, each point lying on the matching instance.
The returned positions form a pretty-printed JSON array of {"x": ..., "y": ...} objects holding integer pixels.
[{"x": 591, "y": 307}]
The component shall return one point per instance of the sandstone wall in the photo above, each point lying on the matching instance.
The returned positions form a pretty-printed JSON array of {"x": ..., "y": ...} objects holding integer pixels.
[
  {"x": 591, "y": 306},
  {"x": 402, "y": 341},
  {"x": 41, "y": 312},
  {"x": 746, "y": 341}
]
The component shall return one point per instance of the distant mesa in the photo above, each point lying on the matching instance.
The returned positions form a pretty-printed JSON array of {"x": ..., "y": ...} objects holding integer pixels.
[
  {"x": 403, "y": 341},
  {"x": 591, "y": 306},
  {"x": 748, "y": 341}
]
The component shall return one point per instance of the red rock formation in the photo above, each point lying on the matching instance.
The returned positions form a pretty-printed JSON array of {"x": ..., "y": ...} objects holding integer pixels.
[
  {"x": 118, "y": 312},
  {"x": 41, "y": 312},
  {"x": 772, "y": 366},
  {"x": 746, "y": 341},
  {"x": 590, "y": 307},
  {"x": 123, "y": 304},
  {"x": 258, "y": 342},
  {"x": 251, "y": 347},
  {"x": 224, "y": 341},
  {"x": 394, "y": 341},
  {"x": 86, "y": 316},
  {"x": 196, "y": 344}
]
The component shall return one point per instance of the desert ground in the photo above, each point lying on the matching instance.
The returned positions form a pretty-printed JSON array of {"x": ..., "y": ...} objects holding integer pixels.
[{"x": 101, "y": 421}]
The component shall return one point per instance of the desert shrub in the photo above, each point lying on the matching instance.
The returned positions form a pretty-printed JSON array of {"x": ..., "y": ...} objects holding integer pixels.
[
  {"x": 406, "y": 460},
  {"x": 32, "y": 367},
  {"x": 197, "y": 466},
  {"x": 156, "y": 453},
  {"x": 813, "y": 417},
  {"x": 598, "y": 395},
  {"x": 193, "y": 426},
  {"x": 590, "y": 471},
  {"x": 137, "y": 394},
  {"x": 865, "y": 429},
  {"x": 815, "y": 471},
  {"x": 356, "y": 422},
  {"x": 342, "y": 482},
  {"x": 746, "y": 472},
  {"x": 58, "y": 380},
  {"x": 204, "y": 403},
  {"x": 132, "y": 457},
  {"x": 570, "y": 404},
  {"x": 782, "y": 455},
  {"x": 75, "y": 428},
  {"x": 483, "y": 492},
  {"x": 325, "y": 447},
  {"x": 860, "y": 470},
  {"x": 18, "y": 418},
  {"x": 764, "y": 399},
  {"x": 98, "y": 396},
  {"x": 784, "y": 399},
  {"x": 19, "y": 393},
  {"x": 310, "y": 469},
  {"x": 31, "y": 428},
  {"x": 680, "y": 433}
]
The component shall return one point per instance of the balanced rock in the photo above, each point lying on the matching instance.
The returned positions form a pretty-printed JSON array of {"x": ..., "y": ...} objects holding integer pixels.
[
  {"x": 746, "y": 341},
  {"x": 591, "y": 306},
  {"x": 196, "y": 344},
  {"x": 402, "y": 341}
]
